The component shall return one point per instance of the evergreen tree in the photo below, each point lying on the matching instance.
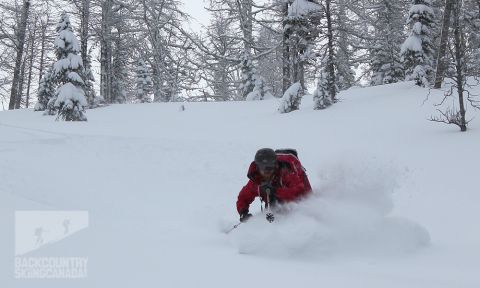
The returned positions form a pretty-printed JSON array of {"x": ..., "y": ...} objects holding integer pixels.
[
  {"x": 321, "y": 96},
  {"x": 90, "y": 94},
  {"x": 143, "y": 82},
  {"x": 260, "y": 91},
  {"x": 291, "y": 98},
  {"x": 70, "y": 95},
  {"x": 50, "y": 101},
  {"x": 248, "y": 75},
  {"x": 302, "y": 27},
  {"x": 417, "y": 50},
  {"x": 386, "y": 63},
  {"x": 46, "y": 91}
]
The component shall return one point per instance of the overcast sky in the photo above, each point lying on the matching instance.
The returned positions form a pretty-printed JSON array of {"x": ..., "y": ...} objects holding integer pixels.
[{"x": 196, "y": 9}]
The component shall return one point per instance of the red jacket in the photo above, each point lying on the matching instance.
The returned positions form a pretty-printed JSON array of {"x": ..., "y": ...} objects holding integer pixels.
[{"x": 289, "y": 179}]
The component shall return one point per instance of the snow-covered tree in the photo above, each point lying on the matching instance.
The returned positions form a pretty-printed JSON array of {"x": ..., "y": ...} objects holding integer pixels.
[
  {"x": 120, "y": 66},
  {"x": 321, "y": 96},
  {"x": 46, "y": 91},
  {"x": 461, "y": 66},
  {"x": 143, "y": 82},
  {"x": 248, "y": 75},
  {"x": 70, "y": 95},
  {"x": 417, "y": 50},
  {"x": 243, "y": 9},
  {"x": 105, "y": 38},
  {"x": 330, "y": 61},
  {"x": 50, "y": 109},
  {"x": 270, "y": 66},
  {"x": 119, "y": 92},
  {"x": 442, "y": 49},
  {"x": 261, "y": 91},
  {"x": 83, "y": 10},
  {"x": 219, "y": 60},
  {"x": 345, "y": 77},
  {"x": 44, "y": 45},
  {"x": 386, "y": 63},
  {"x": 90, "y": 94},
  {"x": 471, "y": 19},
  {"x": 166, "y": 49},
  {"x": 20, "y": 35},
  {"x": 301, "y": 27},
  {"x": 291, "y": 98}
]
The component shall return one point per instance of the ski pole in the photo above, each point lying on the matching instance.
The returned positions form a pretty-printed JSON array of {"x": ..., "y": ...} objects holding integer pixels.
[
  {"x": 269, "y": 216},
  {"x": 233, "y": 228}
]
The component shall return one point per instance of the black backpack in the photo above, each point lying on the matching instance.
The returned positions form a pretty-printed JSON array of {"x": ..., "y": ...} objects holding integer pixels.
[{"x": 287, "y": 151}]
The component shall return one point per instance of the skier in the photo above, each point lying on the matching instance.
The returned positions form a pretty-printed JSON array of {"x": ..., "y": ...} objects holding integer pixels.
[{"x": 275, "y": 177}]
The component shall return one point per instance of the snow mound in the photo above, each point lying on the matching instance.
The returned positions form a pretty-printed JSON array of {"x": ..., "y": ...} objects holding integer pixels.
[{"x": 348, "y": 214}]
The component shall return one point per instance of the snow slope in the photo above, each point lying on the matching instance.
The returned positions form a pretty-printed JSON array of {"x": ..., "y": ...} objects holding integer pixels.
[{"x": 395, "y": 202}]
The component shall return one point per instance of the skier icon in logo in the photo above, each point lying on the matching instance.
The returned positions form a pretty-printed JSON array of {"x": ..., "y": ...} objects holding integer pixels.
[
  {"x": 66, "y": 226},
  {"x": 39, "y": 234}
]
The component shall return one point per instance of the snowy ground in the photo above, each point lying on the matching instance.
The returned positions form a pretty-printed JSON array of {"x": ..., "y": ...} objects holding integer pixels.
[{"x": 395, "y": 204}]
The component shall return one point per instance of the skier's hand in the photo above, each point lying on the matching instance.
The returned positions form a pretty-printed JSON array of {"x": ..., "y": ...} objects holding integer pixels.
[
  {"x": 268, "y": 189},
  {"x": 244, "y": 216},
  {"x": 270, "y": 217}
]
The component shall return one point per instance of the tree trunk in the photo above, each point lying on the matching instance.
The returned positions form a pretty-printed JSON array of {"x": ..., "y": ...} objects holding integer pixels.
[
  {"x": 106, "y": 52},
  {"x": 30, "y": 65},
  {"x": 84, "y": 19},
  {"x": 42, "y": 49},
  {"x": 84, "y": 37},
  {"x": 246, "y": 20},
  {"x": 286, "y": 52},
  {"x": 294, "y": 61},
  {"x": 301, "y": 74},
  {"x": 245, "y": 10},
  {"x": 459, "y": 64},
  {"x": 440, "y": 73},
  {"x": 15, "y": 97},
  {"x": 344, "y": 70},
  {"x": 331, "y": 53},
  {"x": 21, "y": 81}
]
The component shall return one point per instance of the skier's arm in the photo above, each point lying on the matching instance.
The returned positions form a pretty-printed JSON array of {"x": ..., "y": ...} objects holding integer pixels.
[
  {"x": 246, "y": 196},
  {"x": 293, "y": 186}
]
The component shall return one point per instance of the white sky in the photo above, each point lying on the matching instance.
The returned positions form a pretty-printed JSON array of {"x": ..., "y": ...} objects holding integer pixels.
[{"x": 196, "y": 9}]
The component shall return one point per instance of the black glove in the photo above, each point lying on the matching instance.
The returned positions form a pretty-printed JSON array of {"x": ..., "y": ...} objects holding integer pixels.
[
  {"x": 268, "y": 189},
  {"x": 244, "y": 216},
  {"x": 270, "y": 217}
]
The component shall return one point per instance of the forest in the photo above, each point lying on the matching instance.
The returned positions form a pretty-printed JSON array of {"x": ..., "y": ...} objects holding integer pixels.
[{"x": 81, "y": 54}]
